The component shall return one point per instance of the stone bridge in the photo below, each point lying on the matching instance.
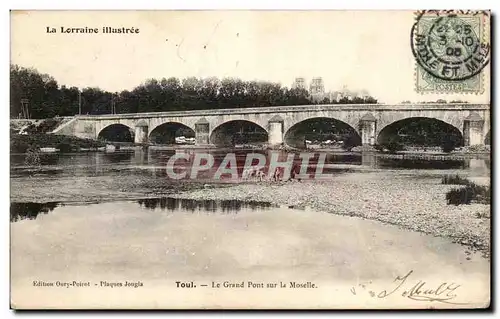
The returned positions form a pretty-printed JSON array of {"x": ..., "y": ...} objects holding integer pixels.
[{"x": 368, "y": 120}]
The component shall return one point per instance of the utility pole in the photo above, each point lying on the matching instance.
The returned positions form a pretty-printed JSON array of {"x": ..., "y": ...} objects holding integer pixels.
[
  {"x": 79, "y": 102},
  {"x": 113, "y": 110},
  {"x": 25, "y": 108}
]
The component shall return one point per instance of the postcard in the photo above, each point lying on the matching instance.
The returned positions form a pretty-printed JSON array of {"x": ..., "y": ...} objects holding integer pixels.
[{"x": 250, "y": 159}]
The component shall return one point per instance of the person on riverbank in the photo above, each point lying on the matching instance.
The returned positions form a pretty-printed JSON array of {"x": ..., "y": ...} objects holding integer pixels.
[
  {"x": 295, "y": 172},
  {"x": 279, "y": 172}
]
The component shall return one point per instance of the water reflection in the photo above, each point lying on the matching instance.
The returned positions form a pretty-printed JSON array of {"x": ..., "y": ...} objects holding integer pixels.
[
  {"x": 408, "y": 163},
  {"x": 153, "y": 162},
  {"x": 227, "y": 206},
  {"x": 118, "y": 157},
  {"x": 20, "y": 211}
]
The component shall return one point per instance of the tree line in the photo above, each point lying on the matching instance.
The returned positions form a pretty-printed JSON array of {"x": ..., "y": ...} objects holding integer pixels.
[{"x": 45, "y": 98}]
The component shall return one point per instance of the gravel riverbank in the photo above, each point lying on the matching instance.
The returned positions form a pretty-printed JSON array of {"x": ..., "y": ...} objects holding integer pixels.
[
  {"x": 411, "y": 199},
  {"x": 413, "y": 203}
]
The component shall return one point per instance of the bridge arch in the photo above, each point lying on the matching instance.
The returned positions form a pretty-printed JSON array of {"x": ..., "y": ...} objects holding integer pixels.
[
  {"x": 421, "y": 131},
  {"x": 452, "y": 118},
  {"x": 321, "y": 130},
  {"x": 235, "y": 132},
  {"x": 167, "y": 132},
  {"x": 116, "y": 132}
]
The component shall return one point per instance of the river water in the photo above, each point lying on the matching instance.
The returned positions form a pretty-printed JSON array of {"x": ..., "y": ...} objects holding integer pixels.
[
  {"x": 154, "y": 162},
  {"x": 152, "y": 245}
]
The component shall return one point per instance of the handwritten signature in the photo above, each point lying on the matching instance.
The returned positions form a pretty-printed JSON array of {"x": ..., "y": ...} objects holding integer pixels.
[{"x": 421, "y": 291}]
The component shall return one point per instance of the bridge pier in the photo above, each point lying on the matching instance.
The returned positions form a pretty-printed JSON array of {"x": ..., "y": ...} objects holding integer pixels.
[
  {"x": 201, "y": 130},
  {"x": 275, "y": 135},
  {"x": 473, "y": 130},
  {"x": 367, "y": 127},
  {"x": 141, "y": 156},
  {"x": 141, "y": 132}
]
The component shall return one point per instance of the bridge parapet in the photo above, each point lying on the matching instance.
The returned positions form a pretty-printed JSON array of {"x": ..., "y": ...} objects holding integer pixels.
[{"x": 296, "y": 108}]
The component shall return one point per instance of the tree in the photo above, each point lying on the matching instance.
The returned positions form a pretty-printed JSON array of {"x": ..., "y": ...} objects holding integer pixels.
[
  {"x": 46, "y": 99},
  {"x": 40, "y": 90},
  {"x": 297, "y": 96},
  {"x": 326, "y": 100}
]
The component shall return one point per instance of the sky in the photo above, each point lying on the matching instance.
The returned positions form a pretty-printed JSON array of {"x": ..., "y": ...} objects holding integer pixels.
[{"x": 357, "y": 50}]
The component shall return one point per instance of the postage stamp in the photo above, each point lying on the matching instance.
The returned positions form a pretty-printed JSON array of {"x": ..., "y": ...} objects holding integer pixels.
[{"x": 451, "y": 49}]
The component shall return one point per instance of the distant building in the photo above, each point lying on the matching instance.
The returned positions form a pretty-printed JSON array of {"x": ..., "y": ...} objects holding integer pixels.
[
  {"x": 317, "y": 86},
  {"x": 318, "y": 94},
  {"x": 300, "y": 83},
  {"x": 317, "y": 90}
]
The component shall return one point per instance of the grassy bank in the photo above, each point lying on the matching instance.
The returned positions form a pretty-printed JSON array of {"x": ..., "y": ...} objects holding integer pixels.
[
  {"x": 469, "y": 193},
  {"x": 23, "y": 143}
]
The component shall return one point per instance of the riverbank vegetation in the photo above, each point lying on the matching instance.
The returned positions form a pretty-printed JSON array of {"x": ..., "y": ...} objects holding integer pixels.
[
  {"x": 469, "y": 193},
  {"x": 34, "y": 142},
  {"x": 43, "y": 126},
  {"x": 35, "y": 126},
  {"x": 47, "y": 99},
  {"x": 454, "y": 180}
]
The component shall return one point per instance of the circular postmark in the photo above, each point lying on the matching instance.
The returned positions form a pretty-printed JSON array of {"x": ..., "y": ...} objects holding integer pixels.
[{"x": 448, "y": 45}]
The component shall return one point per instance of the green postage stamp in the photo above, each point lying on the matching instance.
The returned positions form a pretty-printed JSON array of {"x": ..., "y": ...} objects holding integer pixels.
[{"x": 451, "y": 50}]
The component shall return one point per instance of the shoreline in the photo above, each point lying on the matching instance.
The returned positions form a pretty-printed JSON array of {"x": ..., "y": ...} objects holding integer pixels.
[
  {"x": 411, "y": 199},
  {"x": 399, "y": 155},
  {"x": 64, "y": 144},
  {"x": 428, "y": 214}
]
